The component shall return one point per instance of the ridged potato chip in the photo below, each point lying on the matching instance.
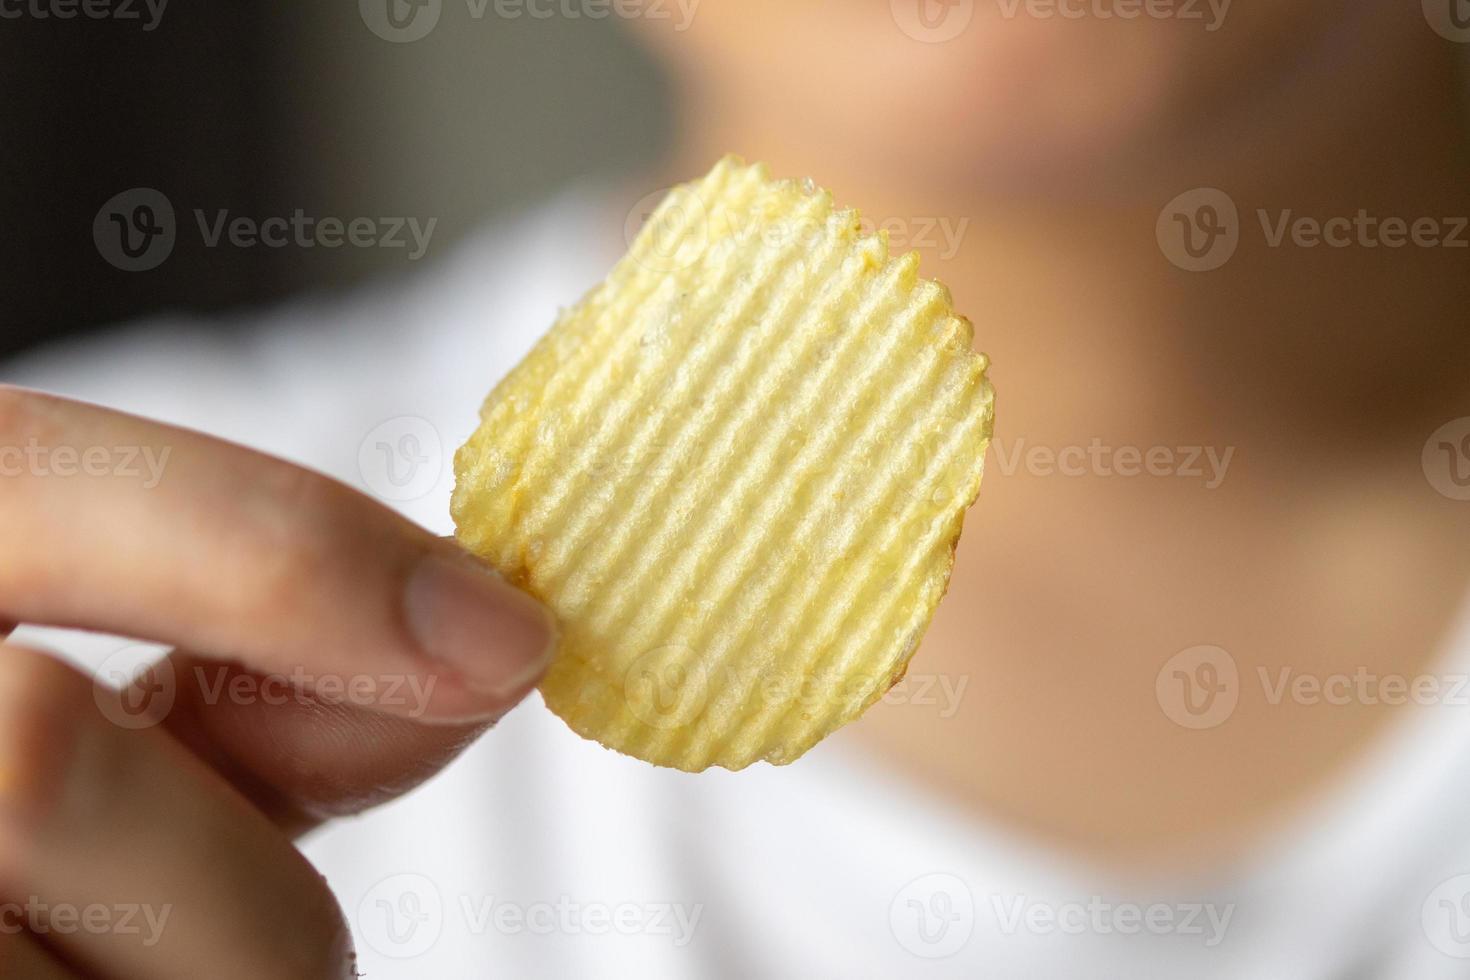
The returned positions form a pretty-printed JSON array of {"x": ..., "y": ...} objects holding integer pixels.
[{"x": 737, "y": 473}]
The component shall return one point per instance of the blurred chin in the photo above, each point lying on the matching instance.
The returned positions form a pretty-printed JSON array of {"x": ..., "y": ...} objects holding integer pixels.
[
  {"x": 1015, "y": 118},
  {"x": 1015, "y": 101},
  {"x": 1008, "y": 111}
]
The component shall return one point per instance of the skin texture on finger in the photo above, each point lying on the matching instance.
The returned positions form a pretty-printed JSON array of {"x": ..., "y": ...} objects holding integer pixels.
[
  {"x": 96, "y": 815},
  {"x": 21, "y": 956},
  {"x": 298, "y": 758},
  {"x": 212, "y": 547}
]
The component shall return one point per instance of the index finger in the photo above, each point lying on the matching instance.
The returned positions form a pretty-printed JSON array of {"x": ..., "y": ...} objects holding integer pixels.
[{"x": 245, "y": 557}]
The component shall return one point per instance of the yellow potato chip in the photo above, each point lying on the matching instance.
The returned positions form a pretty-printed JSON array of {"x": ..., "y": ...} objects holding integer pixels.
[{"x": 737, "y": 472}]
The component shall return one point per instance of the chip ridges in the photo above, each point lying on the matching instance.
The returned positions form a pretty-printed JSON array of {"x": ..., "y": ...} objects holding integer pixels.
[{"x": 737, "y": 472}]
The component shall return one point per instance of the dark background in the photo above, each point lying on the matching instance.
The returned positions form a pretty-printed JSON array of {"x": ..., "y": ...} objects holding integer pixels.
[{"x": 262, "y": 108}]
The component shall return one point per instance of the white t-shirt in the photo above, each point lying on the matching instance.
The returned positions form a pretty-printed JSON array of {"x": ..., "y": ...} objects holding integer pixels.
[{"x": 538, "y": 854}]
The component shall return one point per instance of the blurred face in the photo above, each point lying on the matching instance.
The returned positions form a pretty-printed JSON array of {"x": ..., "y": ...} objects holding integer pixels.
[{"x": 1011, "y": 88}]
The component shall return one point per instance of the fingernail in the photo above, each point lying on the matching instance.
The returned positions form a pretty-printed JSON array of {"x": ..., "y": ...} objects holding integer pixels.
[{"x": 465, "y": 616}]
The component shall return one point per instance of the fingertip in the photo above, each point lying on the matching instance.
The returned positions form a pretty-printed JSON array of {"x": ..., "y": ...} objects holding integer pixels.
[{"x": 468, "y": 619}]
